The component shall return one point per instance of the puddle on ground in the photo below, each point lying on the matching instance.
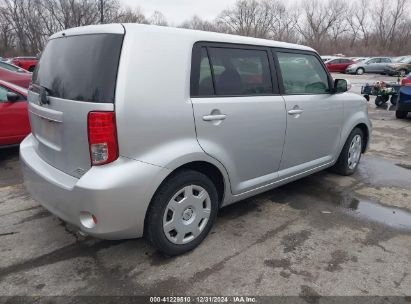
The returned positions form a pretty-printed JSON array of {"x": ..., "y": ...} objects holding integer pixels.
[
  {"x": 382, "y": 172},
  {"x": 375, "y": 212}
]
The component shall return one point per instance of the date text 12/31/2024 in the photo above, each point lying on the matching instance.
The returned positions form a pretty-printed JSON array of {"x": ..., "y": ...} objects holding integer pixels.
[{"x": 201, "y": 299}]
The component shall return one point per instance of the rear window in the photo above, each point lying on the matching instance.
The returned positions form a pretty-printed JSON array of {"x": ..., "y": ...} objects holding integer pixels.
[{"x": 81, "y": 68}]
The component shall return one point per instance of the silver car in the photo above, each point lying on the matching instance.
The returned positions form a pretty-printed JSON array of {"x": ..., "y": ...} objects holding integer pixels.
[
  {"x": 371, "y": 65},
  {"x": 141, "y": 130}
]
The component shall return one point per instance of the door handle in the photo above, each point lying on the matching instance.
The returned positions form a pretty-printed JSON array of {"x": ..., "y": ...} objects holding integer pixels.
[
  {"x": 216, "y": 117},
  {"x": 295, "y": 112}
]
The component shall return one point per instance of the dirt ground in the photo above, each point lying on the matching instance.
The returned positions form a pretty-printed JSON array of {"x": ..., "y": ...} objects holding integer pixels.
[{"x": 322, "y": 235}]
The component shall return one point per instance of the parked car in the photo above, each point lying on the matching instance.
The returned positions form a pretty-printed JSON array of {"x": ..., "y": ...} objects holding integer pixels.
[
  {"x": 16, "y": 77},
  {"x": 372, "y": 65},
  {"x": 124, "y": 146},
  {"x": 14, "y": 119},
  {"x": 406, "y": 80},
  {"x": 338, "y": 65},
  {"x": 359, "y": 59},
  {"x": 326, "y": 58},
  {"x": 27, "y": 63},
  {"x": 402, "y": 67},
  {"x": 12, "y": 67},
  {"x": 404, "y": 103}
]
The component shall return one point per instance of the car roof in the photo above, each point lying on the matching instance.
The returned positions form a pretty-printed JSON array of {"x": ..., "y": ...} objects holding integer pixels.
[
  {"x": 192, "y": 35},
  {"x": 14, "y": 87}
]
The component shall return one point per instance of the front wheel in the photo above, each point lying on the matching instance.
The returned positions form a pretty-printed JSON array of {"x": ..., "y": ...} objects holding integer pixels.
[
  {"x": 360, "y": 71},
  {"x": 350, "y": 155},
  {"x": 181, "y": 213},
  {"x": 403, "y": 72}
]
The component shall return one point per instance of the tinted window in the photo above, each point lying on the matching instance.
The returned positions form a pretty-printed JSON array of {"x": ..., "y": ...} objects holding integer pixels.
[
  {"x": 205, "y": 86},
  {"x": 82, "y": 68},
  {"x": 375, "y": 60},
  {"x": 3, "y": 94},
  {"x": 9, "y": 67},
  {"x": 385, "y": 60},
  {"x": 240, "y": 72},
  {"x": 302, "y": 76}
]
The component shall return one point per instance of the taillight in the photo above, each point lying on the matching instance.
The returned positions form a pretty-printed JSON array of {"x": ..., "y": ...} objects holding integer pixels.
[{"x": 102, "y": 137}]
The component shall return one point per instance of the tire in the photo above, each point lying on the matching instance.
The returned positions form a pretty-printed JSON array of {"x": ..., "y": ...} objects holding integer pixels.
[
  {"x": 401, "y": 114},
  {"x": 403, "y": 72},
  {"x": 360, "y": 71},
  {"x": 31, "y": 69},
  {"x": 343, "y": 166},
  {"x": 167, "y": 205},
  {"x": 379, "y": 101}
]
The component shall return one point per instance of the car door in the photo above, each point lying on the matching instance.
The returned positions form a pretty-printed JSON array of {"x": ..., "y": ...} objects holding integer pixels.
[
  {"x": 384, "y": 62},
  {"x": 239, "y": 115},
  {"x": 14, "y": 121},
  {"x": 314, "y": 115},
  {"x": 333, "y": 65},
  {"x": 372, "y": 65}
]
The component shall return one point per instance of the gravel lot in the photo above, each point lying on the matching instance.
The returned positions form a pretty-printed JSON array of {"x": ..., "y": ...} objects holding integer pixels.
[{"x": 322, "y": 235}]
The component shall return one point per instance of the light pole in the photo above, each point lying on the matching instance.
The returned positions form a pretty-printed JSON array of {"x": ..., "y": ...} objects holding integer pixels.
[{"x": 101, "y": 11}]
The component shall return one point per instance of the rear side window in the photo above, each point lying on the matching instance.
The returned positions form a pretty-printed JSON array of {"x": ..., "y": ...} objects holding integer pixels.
[
  {"x": 302, "y": 74},
  {"x": 81, "y": 68},
  {"x": 232, "y": 72},
  {"x": 240, "y": 72}
]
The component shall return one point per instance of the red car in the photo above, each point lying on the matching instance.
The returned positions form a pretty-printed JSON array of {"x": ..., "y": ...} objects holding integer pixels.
[
  {"x": 14, "y": 118},
  {"x": 21, "y": 78},
  {"x": 27, "y": 63},
  {"x": 406, "y": 81},
  {"x": 339, "y": 64}
]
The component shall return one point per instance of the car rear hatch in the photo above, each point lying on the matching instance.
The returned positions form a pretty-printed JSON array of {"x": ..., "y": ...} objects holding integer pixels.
[{"x": 76, "y": 75}]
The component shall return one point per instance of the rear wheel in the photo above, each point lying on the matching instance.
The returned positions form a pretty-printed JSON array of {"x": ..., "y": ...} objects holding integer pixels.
[
  {"x": 31, "y": 69},
  {"x": 403, "y": 72},
  {"x": 360, "y": 71},
  {"x": 350, "y": 155},
  {"x": 182, "y": 213},
  {"x": 401, "y": 114}
]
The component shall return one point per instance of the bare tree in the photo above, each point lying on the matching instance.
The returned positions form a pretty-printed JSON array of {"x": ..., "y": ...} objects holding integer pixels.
[{"x": 158, "y": 19}]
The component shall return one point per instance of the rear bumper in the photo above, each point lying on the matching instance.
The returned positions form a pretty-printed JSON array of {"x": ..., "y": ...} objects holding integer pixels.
[{"x": 118, "y": 194}]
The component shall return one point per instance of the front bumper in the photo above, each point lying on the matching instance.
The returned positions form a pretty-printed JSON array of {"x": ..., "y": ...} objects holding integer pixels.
[{"x": 118, "y": 194}]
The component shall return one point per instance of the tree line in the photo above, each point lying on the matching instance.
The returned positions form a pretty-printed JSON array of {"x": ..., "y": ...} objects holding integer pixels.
[{"x": 359, "y": 27}]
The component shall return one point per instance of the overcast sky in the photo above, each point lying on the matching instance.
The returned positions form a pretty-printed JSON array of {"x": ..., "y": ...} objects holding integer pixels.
[{"x": 177, "y": 11}]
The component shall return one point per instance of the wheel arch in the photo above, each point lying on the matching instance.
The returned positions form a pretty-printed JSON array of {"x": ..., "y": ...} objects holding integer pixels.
[{"x": 218, "y": 176}]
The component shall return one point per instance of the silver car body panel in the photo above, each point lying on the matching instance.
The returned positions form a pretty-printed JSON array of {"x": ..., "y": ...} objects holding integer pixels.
[{"x": 161, "y": 128}]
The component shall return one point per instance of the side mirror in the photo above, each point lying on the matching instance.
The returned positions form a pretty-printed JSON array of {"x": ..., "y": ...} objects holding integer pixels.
[
  {"x": 12, "y": 97},
  {"x": 341, "y": 86}
]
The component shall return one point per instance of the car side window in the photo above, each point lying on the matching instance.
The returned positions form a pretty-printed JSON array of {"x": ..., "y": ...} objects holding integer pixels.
[
  {"x": 385, "y": 60},
  {"x": 205, "y": 85},
  {"x": 240, "y": 72},
  {"x": 3, "y": 94},
  {"x": 375, "y": 60},
  {"x": 302, "y": 77}
]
